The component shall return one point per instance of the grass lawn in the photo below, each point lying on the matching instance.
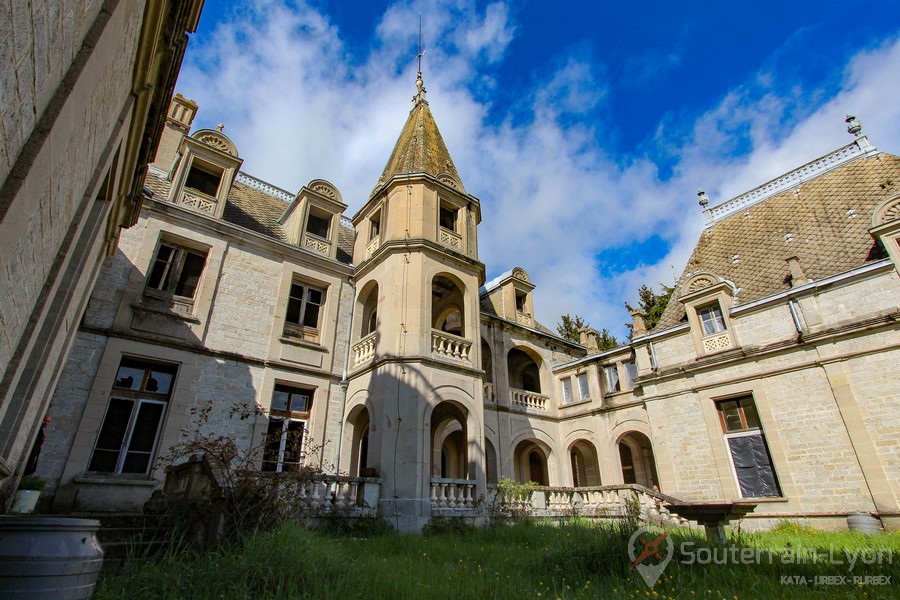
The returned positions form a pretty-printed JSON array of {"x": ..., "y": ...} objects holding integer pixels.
[{"x": 526, "y": 560}]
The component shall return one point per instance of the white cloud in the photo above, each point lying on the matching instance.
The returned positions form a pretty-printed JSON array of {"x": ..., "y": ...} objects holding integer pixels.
[{"x": 552, "y": 198}]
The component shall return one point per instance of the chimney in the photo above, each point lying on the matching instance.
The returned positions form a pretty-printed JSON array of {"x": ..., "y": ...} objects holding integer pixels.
[
  {"x": 589, "y": 339},
  {"x": 178, "y": 124},
  {"x": 798, "y": 277},
  {"x": 639, "y": 327}
]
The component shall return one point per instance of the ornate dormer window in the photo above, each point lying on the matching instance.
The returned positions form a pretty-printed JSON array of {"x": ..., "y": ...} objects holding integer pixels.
[
  {"x": 204, "y": 170},
  {"x": 312, "y": 220},
  {"x": 706, "y": 300},
  {"x": 886, "y": 227}
]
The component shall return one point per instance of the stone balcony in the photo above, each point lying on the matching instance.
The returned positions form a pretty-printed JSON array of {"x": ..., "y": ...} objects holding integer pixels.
[
  {"x": 364, "y": 350},
  {"x": 448, "y": 346},
  {"x": 528, "y": 401}
]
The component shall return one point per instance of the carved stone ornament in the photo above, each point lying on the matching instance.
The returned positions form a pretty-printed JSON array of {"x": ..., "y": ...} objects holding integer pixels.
[
  {"x": 700, "y": 281},
  {"x": 217, "y": 140},
  {"x": 521, "y": 275},
  {"x": 450, "y": 181},
  {"x": 887, "y": 211},
  {"x": 326, "y": 188}
]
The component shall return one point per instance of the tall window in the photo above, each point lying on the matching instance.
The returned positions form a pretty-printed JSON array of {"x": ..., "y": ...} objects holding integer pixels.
[
  {"x": 174, "y": 276},
  {"x": 584, "y": 390},
  {"x": 375, "y": 226},
  {"x": 287, "y": 423},
  {"x": 303, "y": 312},
  {"x": 711, "y": 318},
  {"x": 567, "y": 391},
  {"x": 630, "y": 373},
  {"x": 612, "y": 379},
  {"x": 747, "y": 445},
  {"x": 129, "y": 434}
]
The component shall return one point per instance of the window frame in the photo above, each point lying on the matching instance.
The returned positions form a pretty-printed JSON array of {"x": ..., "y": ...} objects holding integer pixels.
[
  {"x": 139, "y": 398},
  {"x": 299, "y": 329},
  {"x": 164, "y": 292},
  {"x": 287, "y": 418},
  {"x": 746, "y": 429},
  {"x": 717, "y": 322}
]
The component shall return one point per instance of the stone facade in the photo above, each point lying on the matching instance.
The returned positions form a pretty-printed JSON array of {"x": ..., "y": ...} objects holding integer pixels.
[
  {"x": 763, "y": 383},
  {"x": 82, "y": 94}
]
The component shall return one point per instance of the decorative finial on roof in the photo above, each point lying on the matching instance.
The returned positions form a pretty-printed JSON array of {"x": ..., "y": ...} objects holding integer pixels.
[
  {"x": 853, "y": 126},
  {"x": 420, "y": 84},
  {"x": 220, "y": 127},
  {"x": 704, "y": 199}
]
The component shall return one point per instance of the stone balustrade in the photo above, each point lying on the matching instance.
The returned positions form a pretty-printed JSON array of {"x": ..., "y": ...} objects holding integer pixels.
[
  {"x": 364, "y": 350},
  {"x": 447, "y": 345},
  {"x": 197, "y": 201},
  {"x": 613, "y": 501},
  {"x": 339, "y": 494},
  {"x": 525, "y": 400},
  {"x": 452, "y": 495},
  {"x": 488, "y": 393}
]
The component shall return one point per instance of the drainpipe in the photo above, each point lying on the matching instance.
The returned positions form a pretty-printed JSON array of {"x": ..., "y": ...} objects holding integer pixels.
[
  {"x": 654, "y": 364},
  {"x": 345, "y": 383},
  {"x": 795, "y": 316}
]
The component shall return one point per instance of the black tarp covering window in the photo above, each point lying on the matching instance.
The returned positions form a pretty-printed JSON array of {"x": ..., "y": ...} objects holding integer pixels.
[{"x": 753, "y": 466}]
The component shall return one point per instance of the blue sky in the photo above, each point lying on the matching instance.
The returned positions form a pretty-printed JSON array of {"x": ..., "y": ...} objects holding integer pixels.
[{"x": 585, "y": 128}]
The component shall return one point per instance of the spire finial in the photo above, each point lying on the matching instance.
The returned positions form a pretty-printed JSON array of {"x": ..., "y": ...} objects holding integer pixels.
[
  {"x": 853, "y": 126},
  {"x": 703, "y": 198},
  {"x": 420, "y": 84}
]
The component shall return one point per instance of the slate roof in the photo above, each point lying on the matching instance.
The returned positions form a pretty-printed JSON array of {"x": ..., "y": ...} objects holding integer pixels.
[
  {"x": 420, "y": 148},
  {"x": 823, "y": 221},
  {"x": 257, "y": 211}
]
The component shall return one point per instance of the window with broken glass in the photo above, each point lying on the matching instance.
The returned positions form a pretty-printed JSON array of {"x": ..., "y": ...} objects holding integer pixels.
[
  {"x": 304, "y": 312},
  {"x": 131, "y": 427},
  {"x": 174, "y": 277},
  {"x": 288, "y": 418},
  {"x": 747, "y": 447}
]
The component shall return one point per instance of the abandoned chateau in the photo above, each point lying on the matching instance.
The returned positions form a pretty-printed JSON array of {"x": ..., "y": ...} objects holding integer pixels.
[{"x": 376, "y": 340}]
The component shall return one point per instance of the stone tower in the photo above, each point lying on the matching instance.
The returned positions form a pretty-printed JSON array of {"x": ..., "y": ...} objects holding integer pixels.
[{"x": 414, "y": 410}]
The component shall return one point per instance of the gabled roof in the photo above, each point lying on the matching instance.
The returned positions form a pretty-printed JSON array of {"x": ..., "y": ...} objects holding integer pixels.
[
  {"x": 257, "y": 209},
  {"x": 420, "y": 147},
  {"x": 824, "y": 222}
]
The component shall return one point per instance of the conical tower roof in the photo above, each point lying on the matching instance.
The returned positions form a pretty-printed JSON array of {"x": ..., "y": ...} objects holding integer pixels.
[{"x": 420, "y": 147}]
